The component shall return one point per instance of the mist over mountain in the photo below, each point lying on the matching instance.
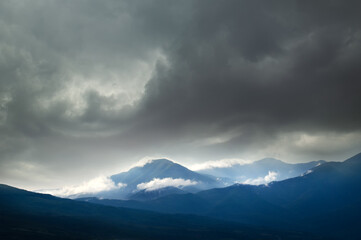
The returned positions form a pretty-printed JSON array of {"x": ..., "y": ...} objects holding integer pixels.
[{"x": 255, "y": 173}]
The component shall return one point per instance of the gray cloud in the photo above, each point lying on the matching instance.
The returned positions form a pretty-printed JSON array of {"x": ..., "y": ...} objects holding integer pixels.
[{"x": 88, "y": 87}]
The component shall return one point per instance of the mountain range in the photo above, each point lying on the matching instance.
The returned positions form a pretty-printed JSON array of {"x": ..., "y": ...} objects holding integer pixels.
[
  {"x": 28, "y": 215},
  {"x": 322, "y": 203},
  {"x": 161, "y": 177},
  {"x": 326, "y": 201},
  {"x": 257, "y": 170}
]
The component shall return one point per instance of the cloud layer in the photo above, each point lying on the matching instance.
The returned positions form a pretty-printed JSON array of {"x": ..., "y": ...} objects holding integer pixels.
[
  {"x": 223, "y": 163},
  {"x": 158, "y": 183},
  {"x": 92, "y": 186},
  {"x": 271, "y": 176}
]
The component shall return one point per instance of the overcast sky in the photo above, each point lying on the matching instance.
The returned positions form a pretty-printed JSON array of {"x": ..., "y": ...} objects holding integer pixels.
[{"x": 88, "y": 88}]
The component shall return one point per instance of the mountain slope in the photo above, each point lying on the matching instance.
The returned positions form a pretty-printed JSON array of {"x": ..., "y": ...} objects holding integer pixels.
[
  {"x": 160, "y": 168},
  {"x": 144, "y": 195},
  {"x": 27, "y": 215},
  {"x": 157, "y": 174}
]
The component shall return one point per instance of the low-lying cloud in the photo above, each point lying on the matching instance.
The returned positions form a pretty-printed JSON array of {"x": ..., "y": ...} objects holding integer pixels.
[
  {"x": 271, "y": 176},
  {"x": 223, "y": 163},
  {"x": 95, "y": 185},
  {"x": 158, "y": 183}
]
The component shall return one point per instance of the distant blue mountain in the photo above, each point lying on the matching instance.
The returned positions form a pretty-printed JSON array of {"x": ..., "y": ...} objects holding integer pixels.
[
  {"x": 326, "y": 201},
  {"x": 160, "y": 169},
  {"x": 260, "y": 169}
]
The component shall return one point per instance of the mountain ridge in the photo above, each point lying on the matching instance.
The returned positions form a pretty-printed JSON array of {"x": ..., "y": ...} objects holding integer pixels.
[
  {"x": 260, "y": 169},
  {"x": 29, "y": 215},
  {"x": 295, "y": 203},
  {"x": 155, "y": 174}
]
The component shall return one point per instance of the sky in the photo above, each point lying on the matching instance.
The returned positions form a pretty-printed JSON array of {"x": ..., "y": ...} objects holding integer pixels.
[{"x": 88, "y": 88}]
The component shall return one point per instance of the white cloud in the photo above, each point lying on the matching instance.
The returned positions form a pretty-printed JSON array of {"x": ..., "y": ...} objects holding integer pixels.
[
  {"x": 223, "y": 163},
  {"x": 271, "y": 176},
  {"x": 158, "y": 183},
  {"x": 95, "y": 185},
  {"x": 308, "y": 171}
]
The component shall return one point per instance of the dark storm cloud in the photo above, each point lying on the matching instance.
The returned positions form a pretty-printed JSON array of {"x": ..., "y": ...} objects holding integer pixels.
[
  {"x": 89, "y": 85},
  {"x": 244, "y": 62},
  {"x": 266, "y": 70},
  {"x": 50, "y": 50}
]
